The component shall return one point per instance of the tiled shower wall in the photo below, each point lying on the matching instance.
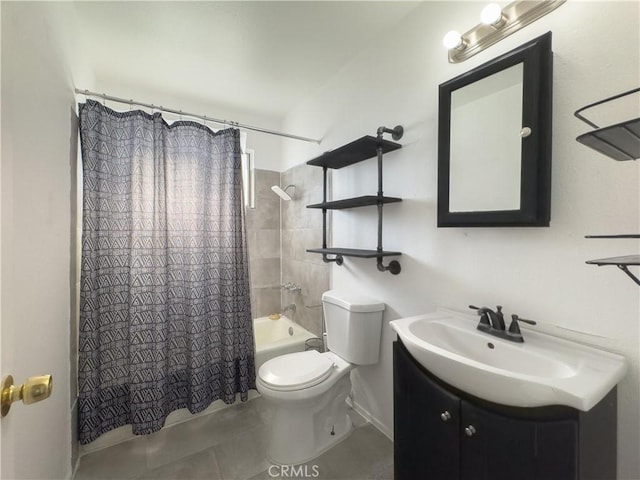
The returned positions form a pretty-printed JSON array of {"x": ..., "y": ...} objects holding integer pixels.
[
  {"x": 263, "y": 242},
  {"x": 302, "y": 229},
  {"x": 278, "y": 234}
]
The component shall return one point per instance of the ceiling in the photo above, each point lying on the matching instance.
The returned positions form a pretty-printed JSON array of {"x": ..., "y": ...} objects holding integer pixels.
[{"x": 259, "y": 56}]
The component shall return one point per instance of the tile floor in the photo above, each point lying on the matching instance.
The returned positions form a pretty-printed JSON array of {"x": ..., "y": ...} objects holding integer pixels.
[{"x": 230, "y": 444}]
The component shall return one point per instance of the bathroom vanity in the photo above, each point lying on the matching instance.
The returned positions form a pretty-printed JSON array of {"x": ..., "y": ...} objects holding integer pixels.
[{"x": 444, "y": 433}]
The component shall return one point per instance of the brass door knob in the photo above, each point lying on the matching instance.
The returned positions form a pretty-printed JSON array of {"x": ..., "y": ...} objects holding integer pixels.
[{"x": 33, "y": 390}]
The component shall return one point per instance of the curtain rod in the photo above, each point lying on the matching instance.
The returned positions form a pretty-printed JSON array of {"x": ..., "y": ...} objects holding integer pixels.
[{"x": 205, "y": 118}]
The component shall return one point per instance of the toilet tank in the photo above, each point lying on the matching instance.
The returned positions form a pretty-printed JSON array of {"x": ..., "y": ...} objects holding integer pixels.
[{"x": 354, "y": 324}]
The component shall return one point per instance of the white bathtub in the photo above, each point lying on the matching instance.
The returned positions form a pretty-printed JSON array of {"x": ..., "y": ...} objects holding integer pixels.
[{"x": 277, "y": 337}]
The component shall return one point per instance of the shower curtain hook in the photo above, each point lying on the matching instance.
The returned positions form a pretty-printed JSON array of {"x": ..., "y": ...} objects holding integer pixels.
[
  {"x": 104, "y": 99},
  {"x": 204, "y": 117},
  {"x": 130, "y": 104},
  {"x": 180, "y": 115}
]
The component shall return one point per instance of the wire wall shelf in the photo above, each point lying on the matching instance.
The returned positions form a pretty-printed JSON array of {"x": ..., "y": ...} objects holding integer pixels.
[{"x": 620, "y": 141}]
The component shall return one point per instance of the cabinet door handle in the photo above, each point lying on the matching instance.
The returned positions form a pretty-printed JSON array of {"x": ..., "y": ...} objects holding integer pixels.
[
  {"x": 445, "y": 416},
  {"x": 470, "y": 431}
]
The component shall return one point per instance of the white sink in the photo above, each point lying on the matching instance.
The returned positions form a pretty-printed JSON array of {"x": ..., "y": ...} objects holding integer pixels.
[{"x": 544, "y": 370}]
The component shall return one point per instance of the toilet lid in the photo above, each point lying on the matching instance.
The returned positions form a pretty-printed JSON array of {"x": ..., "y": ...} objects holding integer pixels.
[{"x": 296, "y": 371}]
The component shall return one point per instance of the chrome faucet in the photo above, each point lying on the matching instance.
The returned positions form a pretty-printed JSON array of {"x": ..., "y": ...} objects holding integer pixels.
[{"x": 493, "y": 323}]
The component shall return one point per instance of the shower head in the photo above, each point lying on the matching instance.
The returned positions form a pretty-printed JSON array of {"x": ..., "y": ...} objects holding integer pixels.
[{"x": 282, "y": 193}]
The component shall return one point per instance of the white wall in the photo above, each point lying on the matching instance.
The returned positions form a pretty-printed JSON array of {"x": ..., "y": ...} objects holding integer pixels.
[
  {"x": 38, "y": 150},
  {"x": 536, "y": 272}
]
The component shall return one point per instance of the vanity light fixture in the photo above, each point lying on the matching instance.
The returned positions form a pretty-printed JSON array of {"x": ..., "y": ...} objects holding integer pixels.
[
  {"x": 453, "y": 39},
  {"x": 496, "y": 24},
  {"x": 492, "y": 15}
]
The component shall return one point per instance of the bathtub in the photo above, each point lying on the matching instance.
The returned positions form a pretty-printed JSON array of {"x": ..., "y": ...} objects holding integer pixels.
[{"x": 277, "y": 337}]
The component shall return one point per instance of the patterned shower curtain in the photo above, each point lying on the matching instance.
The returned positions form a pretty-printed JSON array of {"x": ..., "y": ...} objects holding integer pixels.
[{"x": 165, "y": 316}]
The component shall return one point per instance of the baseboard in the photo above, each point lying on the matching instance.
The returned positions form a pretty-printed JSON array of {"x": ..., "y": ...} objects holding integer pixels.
[{"x": 370, "y": 418}]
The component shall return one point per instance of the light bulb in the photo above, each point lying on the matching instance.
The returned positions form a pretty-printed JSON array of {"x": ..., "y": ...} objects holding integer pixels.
[
  {"x": 491, "y": 14},
  {"x": 452, "y": 39}
]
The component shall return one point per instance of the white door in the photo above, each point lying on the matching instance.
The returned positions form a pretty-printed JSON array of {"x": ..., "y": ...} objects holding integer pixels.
[
  {"x": 35, "y": 293},
  {"x": 38, "y": 136}
]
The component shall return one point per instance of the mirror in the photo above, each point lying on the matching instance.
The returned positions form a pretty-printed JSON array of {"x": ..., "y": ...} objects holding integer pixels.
[{"x": 494, "y": 141}]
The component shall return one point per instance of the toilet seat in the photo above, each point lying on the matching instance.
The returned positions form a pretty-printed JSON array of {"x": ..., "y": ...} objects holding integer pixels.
[{"x": 296, "y": 371}]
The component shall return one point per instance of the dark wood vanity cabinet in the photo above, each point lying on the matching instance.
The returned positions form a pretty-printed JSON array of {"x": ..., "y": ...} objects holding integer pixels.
[{"x": 441, "y": 433}]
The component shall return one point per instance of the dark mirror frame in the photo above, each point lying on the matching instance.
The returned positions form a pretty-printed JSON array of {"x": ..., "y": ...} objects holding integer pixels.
[{"x": 535, "y": 178}]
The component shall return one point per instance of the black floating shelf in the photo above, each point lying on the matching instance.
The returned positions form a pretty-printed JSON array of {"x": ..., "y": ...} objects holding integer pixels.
[
  {"x": 623, "y": 235},
  {"x": 620, "y": 141},
  {"x": 621, "y": 262},
  {"x": 354, "y": 152},
  {"x": 353, "y": 252},
  {"x": 624, "y": 260},
  {"x": 363, "y": 201}
]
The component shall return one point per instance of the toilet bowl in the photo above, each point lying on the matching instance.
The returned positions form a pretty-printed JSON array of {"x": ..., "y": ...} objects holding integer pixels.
[{"x": 307, "y": 390}]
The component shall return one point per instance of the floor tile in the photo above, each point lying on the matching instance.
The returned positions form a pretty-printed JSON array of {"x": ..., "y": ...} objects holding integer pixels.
[
  {"x": 231, "y": 444},
  {"x": 187, "y": 438},
  {"x": 295, "y": 472},
  {"x": 263, "y": 409},
  {"x": 123, "y": 461},
  {"x": 200, "y": 466},
  {"x": 365, "y": 454},
  {"x": 243, "y": 456}
]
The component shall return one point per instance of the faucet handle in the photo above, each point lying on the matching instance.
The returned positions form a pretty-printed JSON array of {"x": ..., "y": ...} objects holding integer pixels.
[
  {"x": 517, "y": 318},
  {"x": 514, "y": 328}
]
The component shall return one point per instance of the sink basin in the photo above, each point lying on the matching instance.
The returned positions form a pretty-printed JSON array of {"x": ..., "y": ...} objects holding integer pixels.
[{"x": 545, "y": 370}]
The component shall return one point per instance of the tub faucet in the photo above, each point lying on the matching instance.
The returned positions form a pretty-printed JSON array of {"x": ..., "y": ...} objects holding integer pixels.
[{"x": 291, "y": 306}]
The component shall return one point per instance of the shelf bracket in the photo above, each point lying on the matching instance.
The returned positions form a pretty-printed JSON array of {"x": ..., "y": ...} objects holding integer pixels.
[
  {"x": 628, "y": 272},
  {"x": 338, "y": 259},
  {"x": 396, "y": 132},
  {"x": 394, "y": 267}
]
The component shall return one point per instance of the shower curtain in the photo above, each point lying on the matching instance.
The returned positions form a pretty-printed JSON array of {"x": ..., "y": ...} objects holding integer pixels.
[{"x": 165, "y": 316}]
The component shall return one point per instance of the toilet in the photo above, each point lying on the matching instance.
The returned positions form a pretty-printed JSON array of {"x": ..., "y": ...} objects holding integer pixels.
[{"x": 307, "y": 390}]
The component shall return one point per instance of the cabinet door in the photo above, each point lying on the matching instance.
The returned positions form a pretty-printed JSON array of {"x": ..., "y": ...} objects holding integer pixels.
[
  {"x": 557, "y": 451},
  {"x": 502, "y": 447},
  {"x": 426, "y": 424},
  {"x": 495, "y": 447}
]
